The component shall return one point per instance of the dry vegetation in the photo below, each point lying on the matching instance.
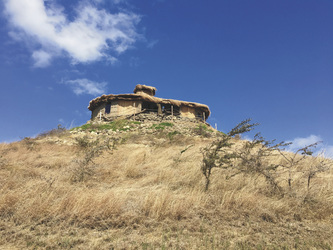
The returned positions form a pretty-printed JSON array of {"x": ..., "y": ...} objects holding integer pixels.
[{"x": 148, "y": 192}]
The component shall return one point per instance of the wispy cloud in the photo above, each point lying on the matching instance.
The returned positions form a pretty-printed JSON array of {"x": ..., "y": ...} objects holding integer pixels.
[
  {"x": 134, "y": 62},
  {"x": 321, "y": 148},
  {"x": 66, "y": 124},
  {"x": 328, "y": 151},
  {"x": 92, "y": 34},
  {"x": 152, "y": 44},
  {"x": 301, "y": 142},
  {"x": 42, "y": 59},
  {"x": 86, "y": 86}
]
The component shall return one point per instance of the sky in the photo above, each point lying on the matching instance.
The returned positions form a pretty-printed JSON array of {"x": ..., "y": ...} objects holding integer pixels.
[{"x": 267, "y": 60}]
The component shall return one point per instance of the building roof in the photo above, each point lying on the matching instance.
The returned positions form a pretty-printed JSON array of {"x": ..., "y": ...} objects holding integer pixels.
[{"x": 141, "y": 96}]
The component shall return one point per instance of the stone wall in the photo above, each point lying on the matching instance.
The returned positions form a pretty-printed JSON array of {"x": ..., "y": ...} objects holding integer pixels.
[{"x": 154, "y": 117}]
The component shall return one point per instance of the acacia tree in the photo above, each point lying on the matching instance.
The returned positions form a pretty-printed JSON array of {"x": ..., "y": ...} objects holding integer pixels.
[
  {"x": 84, "y": 164},
  {"x": 253, "y": 157},
  {"x": 293, "y": 160},
  {"x": 218, "y": 154}
]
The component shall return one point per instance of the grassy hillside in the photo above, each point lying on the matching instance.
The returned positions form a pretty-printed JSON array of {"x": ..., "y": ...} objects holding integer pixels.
[{"x": 140, "y": 186}]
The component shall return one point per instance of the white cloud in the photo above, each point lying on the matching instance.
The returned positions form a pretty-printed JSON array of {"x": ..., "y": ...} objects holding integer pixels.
[
  {"x": 301, "y": 142},
  {"x": 91, "y": 35},
  {"x": 246, "y": 137},
  {"x": 327, "y": 151},
  {"x": 85, "y": 86},
  {"x": 42, "y": 59},
  {"x": 115, "y": 1}
]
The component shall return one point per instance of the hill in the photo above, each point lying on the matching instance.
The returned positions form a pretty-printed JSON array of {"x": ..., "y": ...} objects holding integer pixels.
[{"x": 140, "y": 185}]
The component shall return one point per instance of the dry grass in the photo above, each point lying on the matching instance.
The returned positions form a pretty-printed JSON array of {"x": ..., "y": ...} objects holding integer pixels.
[{"x": 149, "y": 194}]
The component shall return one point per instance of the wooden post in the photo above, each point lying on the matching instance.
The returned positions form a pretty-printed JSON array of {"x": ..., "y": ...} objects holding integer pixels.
[
  {"x": 172, "y": 110},
  {"x": 159, "y": 109},
  {"x": 204, "y": 116},
  {"x": 134, "y": 109},
  {"x": 100, "y": 115}
]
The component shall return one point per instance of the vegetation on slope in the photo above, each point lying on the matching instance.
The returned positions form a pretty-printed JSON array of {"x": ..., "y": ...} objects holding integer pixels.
[{"x": 147, "y": 191}]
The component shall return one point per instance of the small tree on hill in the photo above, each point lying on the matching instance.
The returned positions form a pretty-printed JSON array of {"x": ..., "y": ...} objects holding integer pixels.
[
  {"x": 292, "y": 161},
  {"x": 219, "y": 154},
  {"x": 255, "y": 158}
]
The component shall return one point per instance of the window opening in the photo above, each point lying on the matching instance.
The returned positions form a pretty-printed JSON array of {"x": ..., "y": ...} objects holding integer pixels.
[
  {"x": 198, "y": 114},
  {"x": 108, "y": 108}
]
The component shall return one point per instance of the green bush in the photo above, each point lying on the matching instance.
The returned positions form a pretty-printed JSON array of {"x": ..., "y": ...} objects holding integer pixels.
[
  {"x": 202, "y": 130},
  {"x": 122, "y": 125},
  {"x": 83, "y": 127},
  {"x": 166, "y": 124},
  {"x": 162, "y": 125},
  {"x": 171, "y": 135},
  {"x": 136, "y": 122}
]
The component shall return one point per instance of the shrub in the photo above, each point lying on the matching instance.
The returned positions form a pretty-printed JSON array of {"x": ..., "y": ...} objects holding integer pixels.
[
  {"x": 291, "y": 162},
  {"x": 30, "y": 143},
  {"x": 218, "y": 154},
  {"x": 83, "y": 142},
  {"x": 202, "y": 130},
  {"x": 255, "y": 158},
  {"x": 59, "y": 131},
  {"x": 3, "y": 161},
  {"x": 171, "y": 135},
  {"x": 85, "y": 165}
]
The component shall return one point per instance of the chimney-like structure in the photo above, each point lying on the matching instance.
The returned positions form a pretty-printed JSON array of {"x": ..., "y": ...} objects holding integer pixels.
[{"x": 144, "y": 89}]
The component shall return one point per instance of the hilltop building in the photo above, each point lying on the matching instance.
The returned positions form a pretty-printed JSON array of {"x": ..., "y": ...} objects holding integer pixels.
[{"x": 110, "y": 107}]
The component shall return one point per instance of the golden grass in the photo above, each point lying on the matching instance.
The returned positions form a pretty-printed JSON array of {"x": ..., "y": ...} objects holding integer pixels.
[{"x": 150, "y": 194}]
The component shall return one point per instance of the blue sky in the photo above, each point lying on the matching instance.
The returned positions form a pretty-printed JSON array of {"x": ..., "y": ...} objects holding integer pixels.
[{"x": 271, "y": 61}]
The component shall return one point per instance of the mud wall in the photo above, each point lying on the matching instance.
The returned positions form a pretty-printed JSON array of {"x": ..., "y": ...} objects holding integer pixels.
[
  {"x": 115, "y": 108},
  {"x": 187, "y": 112}
]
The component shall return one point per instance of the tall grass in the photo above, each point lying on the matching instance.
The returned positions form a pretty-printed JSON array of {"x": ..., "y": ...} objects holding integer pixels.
[{"x": 150, "y": 194}]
